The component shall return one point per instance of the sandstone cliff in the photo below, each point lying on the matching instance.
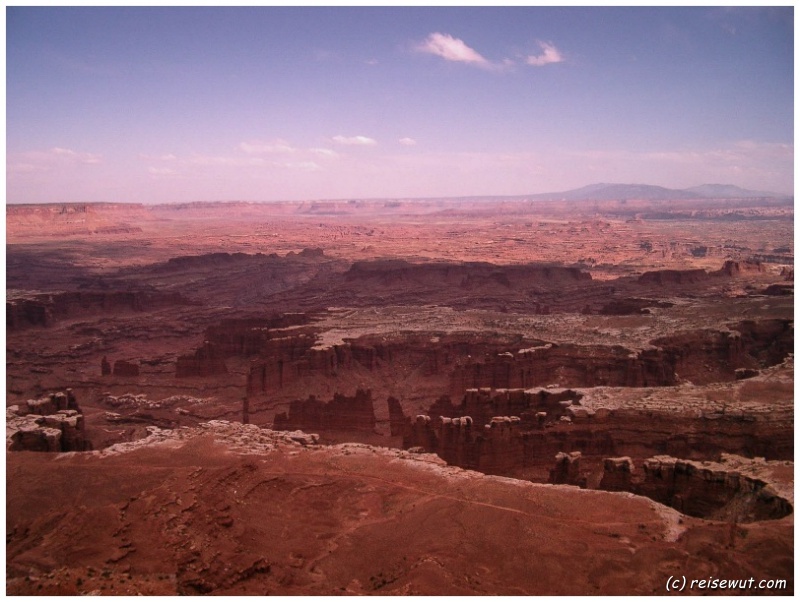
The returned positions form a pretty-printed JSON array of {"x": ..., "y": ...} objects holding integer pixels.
[
  {"x": 735, "y": 489},
  {"x": 51, "y": 424},
  {"x": 342, "y": 413},
  {"x": 206, "y": 361},
  {"x": 28, "y": 309}
]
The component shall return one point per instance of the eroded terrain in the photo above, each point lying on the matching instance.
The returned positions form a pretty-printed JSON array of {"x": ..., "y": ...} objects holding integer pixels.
[{"x": 524, "y": 355}]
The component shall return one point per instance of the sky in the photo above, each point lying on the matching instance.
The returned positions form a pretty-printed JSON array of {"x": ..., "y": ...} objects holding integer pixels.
[{"x": 155, "y": 105}]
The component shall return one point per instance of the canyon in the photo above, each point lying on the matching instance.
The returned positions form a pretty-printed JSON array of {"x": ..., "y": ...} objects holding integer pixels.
[{"x": 360, "y": 380}]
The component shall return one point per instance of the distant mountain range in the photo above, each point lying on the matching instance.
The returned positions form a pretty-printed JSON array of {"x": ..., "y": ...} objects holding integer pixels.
[{"x": 644, "y": 192}]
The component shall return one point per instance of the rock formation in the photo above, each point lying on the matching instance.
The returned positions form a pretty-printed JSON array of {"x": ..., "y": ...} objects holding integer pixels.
[
  {"x": 342, "y": 413},
  {"x": 125, "y": 368},
  {"x": 729, "y": 269},
  {"x": 206, "y": 361},
  {"x": 617, "y": 474},
  {"x": 25, "y": 310},
  {"x": 51, "y": 424},
  {"x": 281, "y": 356},
  {"x": 673, "y": 277},
  {"x": 398, "y": 273},
  {"x": 735, "y": 489},
  {"x": 495, "y": 448},
  {"x": 567, "y": 470},
  {"x": 552, "y": 421},
  {"x": 397, "y": 420}
]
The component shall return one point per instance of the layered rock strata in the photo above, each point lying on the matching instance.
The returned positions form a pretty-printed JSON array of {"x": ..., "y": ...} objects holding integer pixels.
[
  {"x": 617, "y": 474},
  {"x": 605, "y": 423},
  {"x": 206, "y": 361},
  {"x": 456, "y": 362},
  {"x": 735, "y": 489},
  {"x": 50, "y": 424},
  {"x": 493, "y": 448},
  {"x": 125, "y": 368},
  {"x": 567, "y": 470},
  {"x": 29, "y": 309},
  {"x": 342, "y": 413}
]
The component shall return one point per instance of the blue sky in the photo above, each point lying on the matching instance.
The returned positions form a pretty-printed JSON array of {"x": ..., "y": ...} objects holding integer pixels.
[{"x": 262, "y": 103}]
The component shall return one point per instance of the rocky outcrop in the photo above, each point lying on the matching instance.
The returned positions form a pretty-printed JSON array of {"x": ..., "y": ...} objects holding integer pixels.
[
  {"x": 25, "y": 310},
  {"x": 397, "y": 419},
  {"x": 567, "y": 470},
  {"x": 495, "y": 448},
  {"x": 460, "y": 361},
  {"x": 125, "y": 368},
  {"x": 673, "y": 277},
  {"x": 707, "y": 489},
  {"x": 55, "y": 402},
  {"x": 50, "y": 424},
  {"x": 552, "y": 421},
  {"x": 342, "y": 413},
  {"x": 566, "y": 365},
  {"x": 734, "y": 489},
  {"x": 249, "y": 337},
  {"x": 24, "y": 313},
  {"x": 206, "y": 361},
  {"x": 501, "y": 448},
  {"x": 737, "y": 268},
  {"x": 535, "y": 408},
  {"x": 701, "y": 357},
  {"x": 470, "y": 275},
  {"x": 286, "y": 359},
  {"x": 730, "y": 269},
  {"x": 779, "y": 290},
  {"x": 769, "y": 342},
  {"x": 617, "y": 474}
]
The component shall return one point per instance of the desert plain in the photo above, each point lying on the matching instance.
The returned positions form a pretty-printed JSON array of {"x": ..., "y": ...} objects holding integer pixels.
[{"x": 431, "y": 396}]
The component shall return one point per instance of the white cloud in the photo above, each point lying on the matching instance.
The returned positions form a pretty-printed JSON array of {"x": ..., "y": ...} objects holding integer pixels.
[
  {"x": 451, "y": 49},
  {"x": 407, "y": 141},
  {"x": 161, "y": 171},
  {"x": 166, "y": 157},
  {"x": 550, "y": 54},
  {"x": 277, "y": 146},
  {"x": 48, "y": 160},
  {"x": 301, "y": 165},
  {"x": 324, "y": 152},
  {"x": 226, "y": 161},
  {"x": 87, "y": 158},
  {"x": 354, "y": 140},
  {"x": 23, "y": 168},
  {"x": 62, "y": 151}
]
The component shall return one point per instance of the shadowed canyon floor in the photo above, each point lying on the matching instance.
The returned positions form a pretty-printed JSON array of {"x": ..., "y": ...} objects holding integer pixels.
[{"x": 510, "y": 398}]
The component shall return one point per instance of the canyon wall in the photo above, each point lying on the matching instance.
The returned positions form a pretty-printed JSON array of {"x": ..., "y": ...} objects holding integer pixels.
[
  {"x": 714, "y": 490},
  {"x": 544, "y": 423},
  {"x": 206, "y": 361},
  {"x": 494, "y": 448},
  {"x": 279, "y": 358},
  {"x": 42, "y": 309},
  {"x": 342, "y": 413}
]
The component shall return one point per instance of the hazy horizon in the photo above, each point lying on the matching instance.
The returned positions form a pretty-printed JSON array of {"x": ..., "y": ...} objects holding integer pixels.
[{"x": 158, "y": 105}]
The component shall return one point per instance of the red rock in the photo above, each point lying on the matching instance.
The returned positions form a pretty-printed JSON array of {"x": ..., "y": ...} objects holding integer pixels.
[
  {"x": 206, "y": 361},
  {"x": 567, "y": 470},
  {"x": 124, "y": 368},
  {"x": 342, "y": 413}
]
